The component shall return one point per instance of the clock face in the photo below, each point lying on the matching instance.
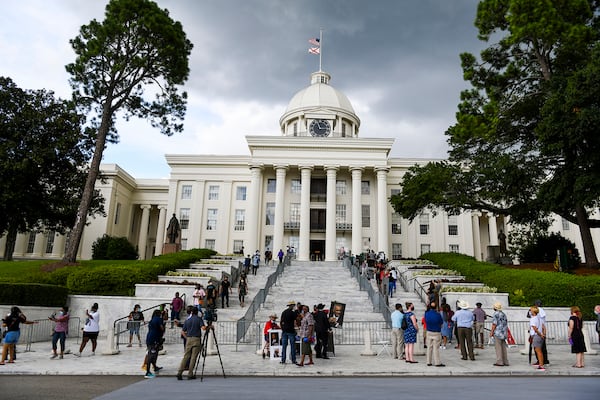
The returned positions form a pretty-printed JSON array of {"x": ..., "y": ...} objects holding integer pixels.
[{"x": 320, "y": 128}]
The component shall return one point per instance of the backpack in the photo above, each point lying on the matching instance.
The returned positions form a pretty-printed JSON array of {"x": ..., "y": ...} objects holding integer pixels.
[{"x": 404, "y": 323}]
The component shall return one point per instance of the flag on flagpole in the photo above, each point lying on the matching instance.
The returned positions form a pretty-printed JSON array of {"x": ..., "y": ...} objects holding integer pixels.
[
  {"x": 315, "y": 42},
  {"x": 314, "y": 50}
]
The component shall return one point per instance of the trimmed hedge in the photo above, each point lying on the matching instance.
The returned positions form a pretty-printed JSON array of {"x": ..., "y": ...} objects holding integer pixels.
[
  {"x": 33, "y": 294},
  {"x": 524, "y": 286}
]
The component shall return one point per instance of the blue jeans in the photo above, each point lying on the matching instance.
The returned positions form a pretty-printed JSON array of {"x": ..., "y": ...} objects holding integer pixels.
[
  {"x": 59, "y": 337},
  {"x": 291, "y": 338}
]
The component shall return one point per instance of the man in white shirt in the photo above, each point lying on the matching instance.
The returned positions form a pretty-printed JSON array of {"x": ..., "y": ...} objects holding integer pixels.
[{"x": 542, "y": 316}]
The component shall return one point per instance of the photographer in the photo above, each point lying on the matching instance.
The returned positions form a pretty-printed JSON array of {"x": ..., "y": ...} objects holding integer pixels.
[{"x": 60, "y": 330}]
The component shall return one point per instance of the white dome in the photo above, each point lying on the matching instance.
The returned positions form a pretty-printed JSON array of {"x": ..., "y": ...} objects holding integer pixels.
[{"x": 319, "y": 95}]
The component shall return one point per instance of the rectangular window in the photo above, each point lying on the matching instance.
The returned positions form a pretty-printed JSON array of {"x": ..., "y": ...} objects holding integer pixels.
[
  {"x": 50, "y": 241},
  {"x": 294, "y": 243},
  {"x": 268, "y": 242},
  {"x": 211, "y": 219},
  {"x": 240, "y": 220},
  {"x": 238, "y": 246},
  {"x": 396, "y": 251},
  {"x": 366, "y": 215},
  {"x": 296, "y": 186},
  {"x": 270, "y": 214},
  {"x": 184, "y": 245},
  {"x": 31, "y": 242},
  {"x": 294, "y": 212},
  {"x": 396, "y": 224},
  {"x": 424, "y": 224},
  {"x": 453, "y": 248},
  {"x": 340, "y": 188},
  {"x": 395, "y": 192},
  {"x": 117, "y": 213},
  {"x": 365, "y": 187},
  {"x": 295, "y": 128},
  {"x": 566, "y": 225},
  {"x": 452, "y": 225},
  {"x": 271, "y": 185},
  {"x": 340, "y": 213},
  {"x": 213, "y": 192},
  {"x": 425, "y": 248},
  {"x": 343, "y": 129},
  {"x": 186, "y": 192},
  {"x": 240, "y": 193},
  {"x": 209, "y": 244},
  {"x": 184, "y": 218}
]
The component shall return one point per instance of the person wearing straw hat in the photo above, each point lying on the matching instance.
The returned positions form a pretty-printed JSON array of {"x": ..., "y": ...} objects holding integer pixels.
[
  {"x": 288, "y": 327},
  {"x": 499, "y": 332},
  {"x": 464, "y": 321},
  {"x": 270, "y": 324}
]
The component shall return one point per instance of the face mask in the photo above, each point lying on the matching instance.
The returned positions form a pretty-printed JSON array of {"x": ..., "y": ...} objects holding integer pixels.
[{"x": 60, "y": 313}]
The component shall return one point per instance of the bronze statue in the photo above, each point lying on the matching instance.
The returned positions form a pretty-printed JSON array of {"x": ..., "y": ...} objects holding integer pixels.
[
  {"x": 502, "y": 241},
  {"x": 173, "y": 229}
]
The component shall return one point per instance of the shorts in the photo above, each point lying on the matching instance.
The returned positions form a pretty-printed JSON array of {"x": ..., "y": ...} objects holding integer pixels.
[
  {"x": 306, "y": 350},
  {"x": 12, "y": 337},
  {"x": 90, "y": 335},
  {"x": 537, "y": 341}
]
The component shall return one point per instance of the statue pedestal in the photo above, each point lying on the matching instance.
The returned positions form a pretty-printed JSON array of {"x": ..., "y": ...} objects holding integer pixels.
[{"x": 169, "y": 248}]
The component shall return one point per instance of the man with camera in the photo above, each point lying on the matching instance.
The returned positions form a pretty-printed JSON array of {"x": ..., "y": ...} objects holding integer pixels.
[{"x": 192, "y": 330}]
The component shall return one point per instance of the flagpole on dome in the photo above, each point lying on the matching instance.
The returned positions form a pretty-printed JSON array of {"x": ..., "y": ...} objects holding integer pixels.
[{"x": 321, "y": 48}]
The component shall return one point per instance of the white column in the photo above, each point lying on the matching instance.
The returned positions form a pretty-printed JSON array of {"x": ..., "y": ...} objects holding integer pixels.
[
  {"x": 254, "y": 207},
  {"x": 20, "y": 245},
  {"x": 160, "y": 230},
  {"x": 383, "y": 242},
  {"x": 304, "y": 250},
  {"x": 39, "y": 244},
  {"x": 330, "y": 231},
  {"x": 492, "y": 223},
  {"x": 143, "y": 237},
  {"x": 356, "y": 210},
  {"x": 280, "y": 172},
  {"x": 58, "y": 250},
  {"x": 476, "y": 236}
]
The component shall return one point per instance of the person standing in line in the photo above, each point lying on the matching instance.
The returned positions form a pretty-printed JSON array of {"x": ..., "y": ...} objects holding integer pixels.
[
  {"x": 499, "y": 332},
  {"x": 199, "y": 295},
  {"x": 463, "y": 319},
  {"x": 192, "y": 331},
  {"x": 60, "y": 331},
  {"x": 156, "y": 329},
  {"x": 576, "y": 336},
  {"x": 225, "y": 290},
  {"x": 322, "y": 329},
  {"x": 410, "y": 333},
  {"x": 307, "y": 327},
  {"x": 90, "y": 330},
  {"x": 135, "y": 320},
  {"x": 280, "y": 256},
  {"x": 542, "y": 316},
  {"x": 537, "y": 334},
  {"x": 479, "y": 316},
  {"x": 247, "y": 262},
  {"x": 433, "y": 322},
  {"x": 448, "y": 325},
  {"x": 242, "y": 289},
  {"x": 288, "y": 327},
  {"x": 392, "y": 278},
  {"x": 12, "y": 323},
  {"x": 397, "y": 332},
  {"x": 176, "y": 307},
  {"x": 597, "y": 312}
]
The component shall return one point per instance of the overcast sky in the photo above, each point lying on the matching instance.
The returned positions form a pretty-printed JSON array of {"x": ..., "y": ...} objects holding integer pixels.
[{"x": 396, "y": 60}]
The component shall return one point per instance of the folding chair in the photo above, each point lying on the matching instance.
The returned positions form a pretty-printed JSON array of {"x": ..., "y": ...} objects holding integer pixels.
[{"x": 385, "y": 344}]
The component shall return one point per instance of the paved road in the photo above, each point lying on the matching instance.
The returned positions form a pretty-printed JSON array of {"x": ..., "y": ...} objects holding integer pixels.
[{"x": 132, "y": 387}]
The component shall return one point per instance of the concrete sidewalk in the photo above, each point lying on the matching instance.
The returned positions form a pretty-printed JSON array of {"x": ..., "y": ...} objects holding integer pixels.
[{"x": 347, "y": 361}]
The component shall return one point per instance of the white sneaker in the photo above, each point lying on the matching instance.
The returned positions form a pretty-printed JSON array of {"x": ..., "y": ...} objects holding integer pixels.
[{"x": 77, "y": 354}]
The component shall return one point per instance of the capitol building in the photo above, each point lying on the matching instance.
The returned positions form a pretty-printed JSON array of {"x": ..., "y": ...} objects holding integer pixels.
[{"x": 318, "y": 189}]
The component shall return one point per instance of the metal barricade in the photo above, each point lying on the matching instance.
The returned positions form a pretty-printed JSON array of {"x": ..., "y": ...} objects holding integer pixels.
[{"x": 42, "y": 330}]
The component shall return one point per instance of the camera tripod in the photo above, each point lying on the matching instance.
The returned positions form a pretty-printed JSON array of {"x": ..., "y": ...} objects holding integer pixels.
[{"x": 203, "y": 350}]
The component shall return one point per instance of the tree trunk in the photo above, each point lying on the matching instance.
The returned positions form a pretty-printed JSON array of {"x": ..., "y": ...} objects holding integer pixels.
[
  {"x": 9, "y": 248},
  {"x": 589, "y": 250},
  {"x": 90, "y": 183}
]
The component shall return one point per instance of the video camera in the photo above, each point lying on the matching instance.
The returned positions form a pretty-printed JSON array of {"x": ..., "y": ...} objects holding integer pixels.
[{"x": 210, "y": 314}]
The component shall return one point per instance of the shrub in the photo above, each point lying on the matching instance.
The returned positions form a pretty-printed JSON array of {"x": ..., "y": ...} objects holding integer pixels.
[
  {"x": 33, "y": 294},
  {"x": 543, "y": 249},
  {"x": 113, "y": 248}
]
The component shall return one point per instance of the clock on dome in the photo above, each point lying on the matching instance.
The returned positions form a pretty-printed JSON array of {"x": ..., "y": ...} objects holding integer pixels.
[{"x": 320, "y": 128}]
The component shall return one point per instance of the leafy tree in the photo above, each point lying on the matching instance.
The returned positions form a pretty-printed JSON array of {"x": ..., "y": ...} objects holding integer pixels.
[
  {"x": 43, "y": 161},
  {"x": 526, "y": 140},
  {"x": 113, "y": 248},
  {"x": 137, "y": 46}
]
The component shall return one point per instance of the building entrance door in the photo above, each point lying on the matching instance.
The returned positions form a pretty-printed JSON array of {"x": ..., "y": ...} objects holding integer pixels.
[{"x": 317, "y": 250}]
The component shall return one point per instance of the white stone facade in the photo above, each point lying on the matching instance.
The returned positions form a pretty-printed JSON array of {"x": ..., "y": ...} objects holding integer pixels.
[{"x": 317, "y": 189}]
